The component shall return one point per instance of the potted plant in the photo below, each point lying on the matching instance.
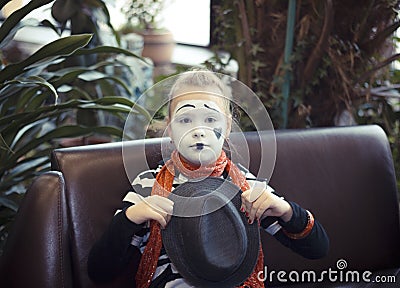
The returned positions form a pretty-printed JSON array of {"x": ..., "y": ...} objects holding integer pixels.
[
  {"x": 37, "y": 92},
  {"x": 109, "y": 74},
  {"x": 144, "y": 18}
]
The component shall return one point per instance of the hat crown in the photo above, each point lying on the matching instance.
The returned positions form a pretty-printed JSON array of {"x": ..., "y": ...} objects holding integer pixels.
[{"x": 220, "y": 248}]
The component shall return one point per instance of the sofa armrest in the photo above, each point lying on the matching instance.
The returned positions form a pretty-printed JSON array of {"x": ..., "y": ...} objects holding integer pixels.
[{"x": 36, "y": 252}]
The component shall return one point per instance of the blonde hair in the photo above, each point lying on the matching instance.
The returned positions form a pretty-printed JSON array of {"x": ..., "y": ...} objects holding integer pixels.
[{"x": 201, "y": 78}]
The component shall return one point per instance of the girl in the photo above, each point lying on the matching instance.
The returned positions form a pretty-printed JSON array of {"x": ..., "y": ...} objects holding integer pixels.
[{"x": 199, "y": 123}]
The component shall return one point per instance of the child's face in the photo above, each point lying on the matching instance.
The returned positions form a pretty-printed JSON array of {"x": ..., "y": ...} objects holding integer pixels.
[{"x": 198, "y": 126}]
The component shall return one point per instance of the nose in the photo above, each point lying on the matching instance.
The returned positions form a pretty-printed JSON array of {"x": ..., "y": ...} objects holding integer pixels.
[{"x": 198, "y": 132}]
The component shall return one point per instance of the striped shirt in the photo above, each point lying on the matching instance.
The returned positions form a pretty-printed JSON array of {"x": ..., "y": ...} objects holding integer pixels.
[{"x": 166, "y": 274}]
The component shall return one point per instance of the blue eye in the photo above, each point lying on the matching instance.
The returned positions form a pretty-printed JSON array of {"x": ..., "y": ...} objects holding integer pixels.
[
  {"x": 210, "y": 120},
  {"x": 185, "y": 120}
]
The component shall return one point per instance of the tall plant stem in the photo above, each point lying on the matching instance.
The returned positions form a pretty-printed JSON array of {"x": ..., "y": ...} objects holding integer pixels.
[{"x": 288, "y": 51}]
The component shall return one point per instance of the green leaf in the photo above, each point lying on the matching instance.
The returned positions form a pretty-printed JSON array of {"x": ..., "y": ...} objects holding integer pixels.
[
  {"x": 37, "y": 101},
  {"x": 64, "y": 46},
  {"x": 47, "y": 23},
  {"x": 97, "y": 76},
  {"x": 27, "y": 133},
  {"x": 24, "y": 118},
  {"x": 66, "y": 76},
  {"x": 9, "y": 91},
  {"x": 19, "y": 120},
  {"x": 125, "y": 101},
  {"x": 61, "y": 47},
  {"x": 108, "y": 88},
  {"x": 14, "y": 19},
  {"x": 24, "y": 170},
  {"x": 110, "y": 50},
  {"x": 36, "y": 80},
  {"x": 27, "y": 95},
  {"x": 57, "y": 133},
  {"x": 14, "y": 30},
  {"x": 92, "y": 76}
]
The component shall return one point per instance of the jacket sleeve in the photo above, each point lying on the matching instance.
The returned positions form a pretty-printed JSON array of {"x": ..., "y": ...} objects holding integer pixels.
[
  {"x": 114, "y": 250},
  {"x": 314, "y": 246}
]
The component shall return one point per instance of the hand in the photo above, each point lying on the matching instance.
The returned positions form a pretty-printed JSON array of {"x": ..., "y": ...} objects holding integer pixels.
[
  {"x": 258, "y": 202},
  {"x": 151, "y": 208}
]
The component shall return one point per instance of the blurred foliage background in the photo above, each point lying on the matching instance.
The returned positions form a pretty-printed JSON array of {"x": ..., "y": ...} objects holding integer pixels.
[
  {"x": 313, "y": 63},
  {"x": 74, "y": 90},
  {"x": 340, "y": 69}
]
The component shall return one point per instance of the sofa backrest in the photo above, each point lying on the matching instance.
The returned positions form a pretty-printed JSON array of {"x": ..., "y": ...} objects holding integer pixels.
[{"x": 345, "y": 176}]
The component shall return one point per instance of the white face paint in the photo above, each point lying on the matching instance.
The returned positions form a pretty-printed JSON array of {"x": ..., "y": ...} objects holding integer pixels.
[{"x": 198, "y": 129}]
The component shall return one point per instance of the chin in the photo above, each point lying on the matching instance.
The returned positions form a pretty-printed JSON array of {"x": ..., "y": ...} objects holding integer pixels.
[
  {"x": 203, "y": 157},
  {"x": 207, "y": 161},
  {"x": 202, "y": 161}
]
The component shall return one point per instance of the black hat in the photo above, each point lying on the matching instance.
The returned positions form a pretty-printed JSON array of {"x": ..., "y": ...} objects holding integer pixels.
[{"x": 211, "y": 244}]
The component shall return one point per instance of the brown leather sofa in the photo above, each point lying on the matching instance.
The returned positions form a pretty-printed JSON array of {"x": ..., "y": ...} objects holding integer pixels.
[{"x": 345, "y": 176}]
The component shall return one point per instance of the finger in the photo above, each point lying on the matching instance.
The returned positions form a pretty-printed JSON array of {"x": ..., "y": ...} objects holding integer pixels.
[
  {"x": 259, "y": 206},
  {"x": 166, "y": 209},
  {"x": 253, "y": 211},
  {"x": 162, "y": 204},
  {"x": 268, "y": 212},
  {"x": 163, "y": 214},
  {"x": 133, "y": 197},
  {"x": 168, "y": 218},
  {"x": 160, "y": 219},
  {"x": 246, "y": 205},
  {"x": 164, "y": 200},
  {"x": 262, "y": 210},
  {"x": 257, "y": 188},
  {"x": 245, "y": 194}
]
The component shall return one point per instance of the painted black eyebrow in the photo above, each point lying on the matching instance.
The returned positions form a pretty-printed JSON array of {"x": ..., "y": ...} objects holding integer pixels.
[
  {"x": 186, "y": 105},
  {"x": 205, "y": 105}
]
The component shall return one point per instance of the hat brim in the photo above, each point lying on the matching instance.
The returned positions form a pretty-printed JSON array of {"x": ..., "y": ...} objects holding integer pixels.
[{"x": 179, "y": 252}]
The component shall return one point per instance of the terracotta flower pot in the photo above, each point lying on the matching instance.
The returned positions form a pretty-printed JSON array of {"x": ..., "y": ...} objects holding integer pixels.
[{"x": 158, "y": 46}]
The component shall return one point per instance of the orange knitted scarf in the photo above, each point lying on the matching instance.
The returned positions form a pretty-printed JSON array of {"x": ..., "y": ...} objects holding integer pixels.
[{"x": 163, "y": 186}]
